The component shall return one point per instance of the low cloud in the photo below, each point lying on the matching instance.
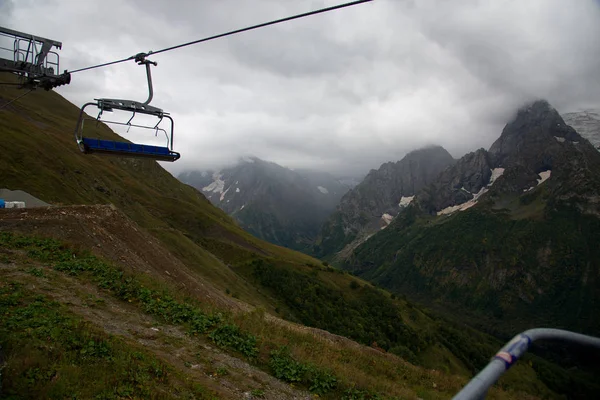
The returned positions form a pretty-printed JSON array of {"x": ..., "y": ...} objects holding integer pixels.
[{"x": 343, "y": 91}]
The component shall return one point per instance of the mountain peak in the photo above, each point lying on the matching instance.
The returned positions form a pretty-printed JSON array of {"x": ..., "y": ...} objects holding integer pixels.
[
  {"x": 529, "y": 137},
  {"x": 428, "y": 151},
  {"x": 248, "y": 159}
]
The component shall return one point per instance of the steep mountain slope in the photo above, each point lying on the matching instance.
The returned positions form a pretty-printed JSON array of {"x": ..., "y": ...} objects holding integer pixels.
[
  {"x": 372, "y": 204},
  {"x": 586, "y": 123},
  {"x": 525, "y": 227},
  {"x": 274, "y": 203}
]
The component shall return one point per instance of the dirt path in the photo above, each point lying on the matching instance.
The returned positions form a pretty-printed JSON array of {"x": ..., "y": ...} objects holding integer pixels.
[
  {"x": 196, "y": 357},
  {"x": 112, "y": 235}
]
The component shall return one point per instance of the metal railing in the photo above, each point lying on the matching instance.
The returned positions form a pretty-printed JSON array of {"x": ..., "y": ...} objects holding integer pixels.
[{"x": 478, "y": 387}]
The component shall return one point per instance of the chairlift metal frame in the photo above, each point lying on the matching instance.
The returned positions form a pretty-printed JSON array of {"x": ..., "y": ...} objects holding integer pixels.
[
  {"x": 124, "y": 149},
  {"x": 33, "y": 61}
]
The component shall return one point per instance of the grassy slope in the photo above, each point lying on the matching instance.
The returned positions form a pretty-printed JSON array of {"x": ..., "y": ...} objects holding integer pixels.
[{"x": 52, "y": 336}]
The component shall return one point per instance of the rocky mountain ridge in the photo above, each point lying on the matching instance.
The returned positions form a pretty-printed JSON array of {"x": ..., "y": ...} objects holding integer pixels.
[
  {"x": 274, "y": 203},
  {"x": 524, "y": 222},
  {"x": 372, "y": 204}
]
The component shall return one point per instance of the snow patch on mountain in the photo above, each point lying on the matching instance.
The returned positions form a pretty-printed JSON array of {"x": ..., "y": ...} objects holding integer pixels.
[
  {"x": 544, "y": 176},
  {"x": 217, "y": 186},
  {"x": 586, "y": 123},
  {"x": 323, "y": 190},
  {"x": 560, "y": 139},
  {"x": 224, "y": 193},
  {"x": 387, "y": 219},
  {"x": 405, "y": 201},
  {"x": 237, "y": 190},
  {"x": 496, "y": 173},
  {"x": 465, "y": 205}
]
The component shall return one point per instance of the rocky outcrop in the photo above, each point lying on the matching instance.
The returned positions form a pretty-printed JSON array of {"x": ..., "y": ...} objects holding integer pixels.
[
  {"x": 373, "y": 203},
  {"x": 457, "y": 184}
]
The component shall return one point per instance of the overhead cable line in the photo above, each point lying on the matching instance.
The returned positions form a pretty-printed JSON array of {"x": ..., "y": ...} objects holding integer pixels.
[
  {"x": 307, "y": 14},
  {"x": 102, "y": 65},
  {"x": 15, "y": 99}
]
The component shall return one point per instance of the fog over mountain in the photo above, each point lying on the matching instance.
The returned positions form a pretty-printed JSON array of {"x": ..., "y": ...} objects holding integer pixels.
[{"x": 344, "y": 91}]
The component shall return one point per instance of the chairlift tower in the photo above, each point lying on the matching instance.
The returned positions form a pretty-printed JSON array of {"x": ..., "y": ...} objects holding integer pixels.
[{"x": 32, "y": 59}]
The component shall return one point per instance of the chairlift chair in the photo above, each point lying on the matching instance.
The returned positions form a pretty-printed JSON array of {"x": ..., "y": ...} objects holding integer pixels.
[{"x": 127, "y": 149}]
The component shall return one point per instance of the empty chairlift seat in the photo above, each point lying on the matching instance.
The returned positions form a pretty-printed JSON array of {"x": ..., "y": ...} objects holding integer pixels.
[
  {"x": 125, "y": 149},
  {"x": 101, "y": 146}
]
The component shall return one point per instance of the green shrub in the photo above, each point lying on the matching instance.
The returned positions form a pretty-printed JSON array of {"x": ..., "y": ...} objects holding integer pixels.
[{"x": 230, "y": 336}]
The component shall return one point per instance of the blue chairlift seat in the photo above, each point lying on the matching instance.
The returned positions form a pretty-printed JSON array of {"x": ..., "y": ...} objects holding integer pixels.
[{"x": 125, "y": 149}]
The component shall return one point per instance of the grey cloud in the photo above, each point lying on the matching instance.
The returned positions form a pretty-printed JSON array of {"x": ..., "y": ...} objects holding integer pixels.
[
  {"x": 6, "y": 10},
  {"x": 344, "y": 91}
]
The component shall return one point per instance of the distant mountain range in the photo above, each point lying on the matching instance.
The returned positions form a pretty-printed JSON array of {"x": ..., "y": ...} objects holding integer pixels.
[
  {"x": 286, "y": 207},
  {"x": 510, "y": 233}
]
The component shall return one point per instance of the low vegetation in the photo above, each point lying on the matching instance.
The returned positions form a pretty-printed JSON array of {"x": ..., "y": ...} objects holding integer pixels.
[
  {"x": 297, "y": 357},
  {"x": 520, "y": 272},
  {"x": 51, "y": 353}
]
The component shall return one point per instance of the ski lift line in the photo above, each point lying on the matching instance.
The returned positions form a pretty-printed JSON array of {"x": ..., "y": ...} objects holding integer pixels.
[
  {"x": 15, "y": 99},
  {"x": 298, "y": 16},
  {"x": 103, "y": 65},
  {"x": 478, "y": 387},
  {"x": 307, "y": 14}
]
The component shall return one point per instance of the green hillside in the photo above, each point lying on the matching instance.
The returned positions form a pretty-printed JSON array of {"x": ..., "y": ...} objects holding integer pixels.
[{"x": 524, "y": 272}]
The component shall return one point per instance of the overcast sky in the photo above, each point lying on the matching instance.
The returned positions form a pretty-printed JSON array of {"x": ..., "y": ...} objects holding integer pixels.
[{"x": 343, "y": 91}]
